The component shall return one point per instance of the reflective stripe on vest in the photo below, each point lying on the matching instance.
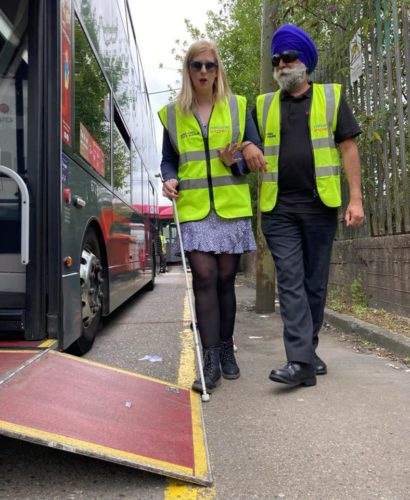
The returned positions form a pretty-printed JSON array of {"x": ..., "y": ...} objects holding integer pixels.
[
  {"x": 201, "y": 173},
  {"x": 227, "y": 180},
  {"x": 271, "y": 141},
  {"x": 322, "y": 124}
]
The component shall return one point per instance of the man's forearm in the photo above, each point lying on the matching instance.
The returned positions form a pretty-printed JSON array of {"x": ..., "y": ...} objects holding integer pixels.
[{"x": 351, "y": 163}]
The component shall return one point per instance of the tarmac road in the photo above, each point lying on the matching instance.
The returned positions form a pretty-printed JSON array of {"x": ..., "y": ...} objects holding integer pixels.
[{"x": 346, "y": 438}]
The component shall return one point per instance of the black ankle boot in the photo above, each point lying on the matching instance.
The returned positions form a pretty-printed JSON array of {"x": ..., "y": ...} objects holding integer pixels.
[
  {"x": 230, "y": 368},
  {"x": 212, "y": 370}
]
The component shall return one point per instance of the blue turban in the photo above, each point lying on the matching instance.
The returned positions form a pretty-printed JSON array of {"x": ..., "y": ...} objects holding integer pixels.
[{"x": 291, "y": 37}]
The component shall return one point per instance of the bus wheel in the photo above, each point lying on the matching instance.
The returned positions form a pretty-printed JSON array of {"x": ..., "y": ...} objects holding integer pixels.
[{"x": 92, "y": 293}]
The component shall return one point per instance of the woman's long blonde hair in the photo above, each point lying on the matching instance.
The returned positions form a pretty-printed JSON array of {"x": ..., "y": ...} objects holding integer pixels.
[{"x": 186, "y": 97}]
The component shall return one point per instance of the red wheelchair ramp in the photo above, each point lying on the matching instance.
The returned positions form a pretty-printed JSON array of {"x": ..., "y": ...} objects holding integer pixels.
[{"x": 91, "y": 409}]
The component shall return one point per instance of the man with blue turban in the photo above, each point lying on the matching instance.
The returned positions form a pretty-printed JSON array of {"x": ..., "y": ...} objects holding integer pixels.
[{"x": 300, "y": 126}]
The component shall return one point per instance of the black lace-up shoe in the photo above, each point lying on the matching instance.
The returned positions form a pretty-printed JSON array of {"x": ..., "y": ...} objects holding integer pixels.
[
  {"x": 320, "y": 365},
  {"x": 295, "y": 374},
  {"x": 212, "y": 370},
  {"x": 230, "y": 368}
]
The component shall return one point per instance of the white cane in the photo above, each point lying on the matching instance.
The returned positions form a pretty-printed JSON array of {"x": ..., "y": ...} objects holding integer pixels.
[{"x": 205, "y": 395}]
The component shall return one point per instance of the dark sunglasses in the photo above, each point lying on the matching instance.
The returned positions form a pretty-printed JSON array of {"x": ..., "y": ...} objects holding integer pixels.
[
  {"x": 287, "y": 56},
  {"x": 209, "y": 66}
]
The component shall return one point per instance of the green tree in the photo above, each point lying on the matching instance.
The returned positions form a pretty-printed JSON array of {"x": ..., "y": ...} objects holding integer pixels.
[
  {"x": 237, "y": 33},
  {"x": 236, "y": 29}
]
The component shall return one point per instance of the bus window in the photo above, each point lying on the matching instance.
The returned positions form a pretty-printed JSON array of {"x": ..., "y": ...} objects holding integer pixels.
[
  {"x": 145, "y": 190},
  {"x": 137, "y": 198},
  {"x": 123, "y": 11},
  {"x": 92, "y": 107},
  {"x": 122, "y": 163}
]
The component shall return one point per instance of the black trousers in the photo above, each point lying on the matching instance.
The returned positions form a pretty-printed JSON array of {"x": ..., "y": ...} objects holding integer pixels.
[
  {"x": 301, "y": 246},
  {"x": 162, "y": 263}
]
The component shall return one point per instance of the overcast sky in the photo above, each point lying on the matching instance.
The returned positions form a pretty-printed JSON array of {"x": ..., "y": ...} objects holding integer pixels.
[{"x": 158, "y": 23}]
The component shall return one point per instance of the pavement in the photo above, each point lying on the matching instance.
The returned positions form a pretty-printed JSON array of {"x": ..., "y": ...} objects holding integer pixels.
[
  {"x": 341, "y": 439},
  {"x": 344, "y": 439},
  {"x": 390, "y": 340}
]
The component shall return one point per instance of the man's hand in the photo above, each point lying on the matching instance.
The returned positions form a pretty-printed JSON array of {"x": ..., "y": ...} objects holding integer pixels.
[
  {"x": 354, "y": 215},
  {"x": 169, "y": 188},
  {"x": 254, "y": 158}
]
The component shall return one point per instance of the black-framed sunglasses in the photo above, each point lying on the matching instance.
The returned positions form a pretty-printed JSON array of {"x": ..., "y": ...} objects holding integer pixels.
[
  {"x": 210, "y": 66},
  {"x": 287, "y": 56}
]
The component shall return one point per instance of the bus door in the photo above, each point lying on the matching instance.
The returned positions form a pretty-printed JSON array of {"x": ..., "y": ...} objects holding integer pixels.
[
  {"x": 23, "y": 159},
  {"x": 171, "y": 238}
]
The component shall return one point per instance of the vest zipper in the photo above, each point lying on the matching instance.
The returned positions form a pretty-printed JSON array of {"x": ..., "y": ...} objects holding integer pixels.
[{"x": 208, "y": 171}]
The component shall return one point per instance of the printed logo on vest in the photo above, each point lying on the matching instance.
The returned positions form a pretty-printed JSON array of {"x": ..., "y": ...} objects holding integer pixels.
[
  {"x": 219, "y": 129},
  {"x": 270, "y": 135},
  {"x": 191, "y": 133},
  {"x": 320, "y": 127}
]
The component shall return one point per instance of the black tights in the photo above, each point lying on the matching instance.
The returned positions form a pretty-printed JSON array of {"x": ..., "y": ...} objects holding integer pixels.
[{"x": 213, "y": 278}]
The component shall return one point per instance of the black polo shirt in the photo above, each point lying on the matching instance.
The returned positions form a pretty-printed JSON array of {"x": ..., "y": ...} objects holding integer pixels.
[{"x": 296, "y": 181}]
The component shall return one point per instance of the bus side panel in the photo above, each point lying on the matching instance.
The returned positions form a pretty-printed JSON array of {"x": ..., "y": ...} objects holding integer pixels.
[
  {"x": 76, "y": 184},
  {"x": 72, "y": 324},
  {"x": 123, "y": 243},
  {"x": 126, "y": 254}
]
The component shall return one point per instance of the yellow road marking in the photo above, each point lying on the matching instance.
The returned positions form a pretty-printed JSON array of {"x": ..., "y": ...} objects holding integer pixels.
[
  {"x": 47, "y": 343},
  {"x": 186, "y": 375},
  {"x": 18, "y": 351}
]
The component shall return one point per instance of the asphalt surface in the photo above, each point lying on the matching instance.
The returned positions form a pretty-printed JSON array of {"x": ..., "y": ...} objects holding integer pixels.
[{"x": 345, "y": 438}]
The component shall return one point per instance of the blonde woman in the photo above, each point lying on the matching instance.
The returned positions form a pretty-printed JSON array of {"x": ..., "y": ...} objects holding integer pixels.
[{"x": 209, "y": 140}]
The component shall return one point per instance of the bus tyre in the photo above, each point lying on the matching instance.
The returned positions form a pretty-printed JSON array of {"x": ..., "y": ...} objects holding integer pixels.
[{"x": 92, "y": 293}]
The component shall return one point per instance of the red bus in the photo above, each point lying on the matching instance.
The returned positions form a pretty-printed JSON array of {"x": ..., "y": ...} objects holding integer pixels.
[{"x": 77, "y": 156}]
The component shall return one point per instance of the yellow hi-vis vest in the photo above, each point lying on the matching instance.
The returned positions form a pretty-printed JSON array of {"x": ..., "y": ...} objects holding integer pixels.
[
  {"x": 163, "y": 244},
  {"x": 204, "y": 180},
  {"x": 322, "y": 125}
]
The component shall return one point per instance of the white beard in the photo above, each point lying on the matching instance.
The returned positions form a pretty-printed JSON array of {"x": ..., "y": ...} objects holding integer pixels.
[{"x": 290, "y": 79}]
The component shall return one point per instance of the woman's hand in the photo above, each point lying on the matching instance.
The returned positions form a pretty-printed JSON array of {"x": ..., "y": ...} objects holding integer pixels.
[
  {"x": 169, "y": 188},
  {"x": 254, "y": 157},
  {"x": 227, "y": 155}
]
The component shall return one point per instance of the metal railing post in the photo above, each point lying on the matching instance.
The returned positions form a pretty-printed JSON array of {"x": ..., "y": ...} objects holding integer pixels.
[{"x": 25, "y": 212}]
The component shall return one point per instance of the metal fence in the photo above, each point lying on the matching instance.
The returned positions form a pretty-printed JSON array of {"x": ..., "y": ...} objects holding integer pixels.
[{"x": 372, "y": 61}]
